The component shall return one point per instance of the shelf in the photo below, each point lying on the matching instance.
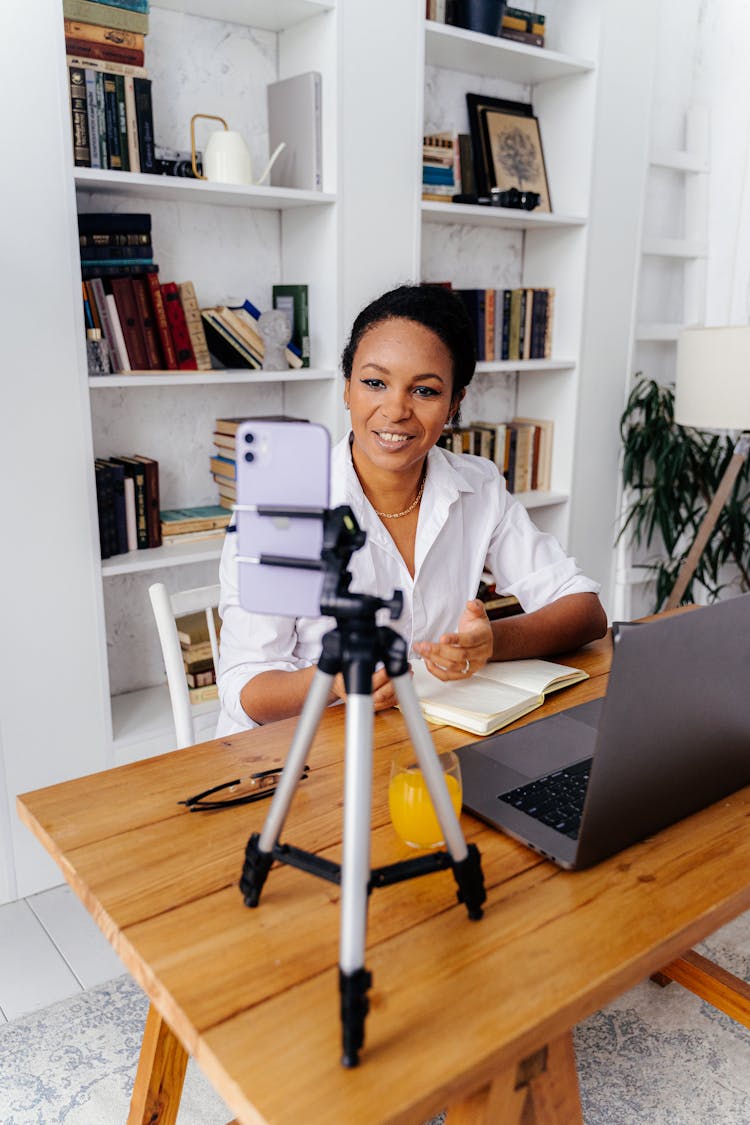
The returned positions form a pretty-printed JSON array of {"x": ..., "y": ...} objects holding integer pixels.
[
  {"x": 215, "y": 378},
  {"x": 501, "y": 217},
  {"x": 675, "y": 248},
  {"x": 541, "y": 499},
  {"x": 678, "y": 161},
  {"x": 175, "y": 189},
  {"x": 454, "y": 48},
  {"x": 658, "y": 332},
  {"x": 268, "y": 15},
  {"x": 489, "y": 367},
  {"x": 146, "y": 716},
  {"x": 156, "y": 558}
]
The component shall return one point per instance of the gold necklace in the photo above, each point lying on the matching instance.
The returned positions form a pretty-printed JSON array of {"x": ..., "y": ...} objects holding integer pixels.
[{"x": 412, "y": 506}]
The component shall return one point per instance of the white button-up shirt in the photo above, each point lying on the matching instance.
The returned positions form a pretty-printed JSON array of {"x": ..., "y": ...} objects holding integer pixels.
[{"x": 468, "y": 523}]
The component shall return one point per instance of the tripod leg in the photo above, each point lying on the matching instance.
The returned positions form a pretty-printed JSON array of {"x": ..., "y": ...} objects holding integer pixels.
[
  {"x": 354, "y": 980},
  {"x": 259, "y": 851},
  {"x": 466, "y": 864}
]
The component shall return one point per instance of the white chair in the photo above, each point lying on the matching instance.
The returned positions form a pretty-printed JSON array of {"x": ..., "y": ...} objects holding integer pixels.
[{"x": 167, "y": 607}]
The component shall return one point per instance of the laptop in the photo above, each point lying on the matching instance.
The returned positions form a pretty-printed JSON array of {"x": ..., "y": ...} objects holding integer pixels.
[{"x": 671, "y": 736}]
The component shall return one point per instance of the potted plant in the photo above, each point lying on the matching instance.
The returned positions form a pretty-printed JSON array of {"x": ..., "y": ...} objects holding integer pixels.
[{"x": 670, "y": 474}]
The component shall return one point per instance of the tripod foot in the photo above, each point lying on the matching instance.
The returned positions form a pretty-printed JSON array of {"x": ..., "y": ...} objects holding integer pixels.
[
  {"x": 354, "y": 1007},
  {"x": 254, "y": 871},
  {"x": 468, "y": 875}
]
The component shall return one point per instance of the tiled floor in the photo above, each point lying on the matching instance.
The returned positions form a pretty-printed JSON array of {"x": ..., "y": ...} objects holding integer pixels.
[{"x": 50, "y": 948}]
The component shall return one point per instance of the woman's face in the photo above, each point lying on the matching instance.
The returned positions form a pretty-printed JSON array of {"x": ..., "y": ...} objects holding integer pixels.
[{"x": 400, "y": 394}]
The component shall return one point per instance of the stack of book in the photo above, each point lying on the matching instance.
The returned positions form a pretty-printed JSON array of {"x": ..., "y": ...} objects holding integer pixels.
[
  {"x": 441, "y": 167},
  {"x": 127, "y": 499},
  {"x": 192, "y": 632},
  {"x": 510, "y": 323},
  {"x": 521, "y": 449},
  {"x": 523, "y": 26},
  {"x": 223, "y": 461},
  {"x": 183, "y": 525},
  {"x": 234, "y": 338},
  {"x": 148, "y": 325},
  {"x": 110, "y": 94}
]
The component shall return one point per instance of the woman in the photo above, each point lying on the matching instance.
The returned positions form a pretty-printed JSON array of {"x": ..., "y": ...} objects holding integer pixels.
[{"x": 434, "y": 521}]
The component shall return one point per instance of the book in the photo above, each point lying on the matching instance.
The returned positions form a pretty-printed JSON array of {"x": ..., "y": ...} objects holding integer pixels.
[
  {"x": 105, "y": 52},
  {"x": 121, "y": 360},
  {"x": 162, "y": 324},
  {"x": 95, "y": 33},
  {"x": 192, "y": 630},
  {"x": 117, "y": 472},
  {"x": 178, "y": 328},
  {"x": 105, "y": 509},
  {"x": 112, "y": 67},
  {"x": 144, "y": 116},
  {"x": 224, "y": 345},
  {"x": 131, "y": 123},
  {"x": 153, "y": 520},
  {"x": 174, "y": 521},
  {"x": 294, "y": 117},
  {"x": 293, "y": 299},
  {"x": 135, "y": 470},
  {"x": 495, "y": 696},
  {"x": 194, "y": 323},
  {"x": 79, "y": 117},
  {"x": 130, "y": 322},
  {"x": 131, "y": 518},
  {"x": 203, "y": 694},
  {"x": 249, "y": 315},
  {"x": 131, "y": 5},
  {"x": 114, "y": 222},
  {"x": 90, "y": 11},
  {"x": 224, "y": 467},
  {"x": 148, "y": 323}
]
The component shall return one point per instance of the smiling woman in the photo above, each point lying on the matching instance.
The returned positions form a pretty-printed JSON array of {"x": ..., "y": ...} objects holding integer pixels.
[{"x": 434, "y": 521}]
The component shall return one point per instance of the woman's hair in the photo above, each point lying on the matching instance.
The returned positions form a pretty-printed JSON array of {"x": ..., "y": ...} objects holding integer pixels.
[{"x": 432, "y": 306}]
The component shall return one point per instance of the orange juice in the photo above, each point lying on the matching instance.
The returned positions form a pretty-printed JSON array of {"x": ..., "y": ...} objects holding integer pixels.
[{"x": 411, "y": 809}]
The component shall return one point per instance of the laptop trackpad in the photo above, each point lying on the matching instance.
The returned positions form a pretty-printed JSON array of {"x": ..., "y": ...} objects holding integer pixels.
[{"x": 546, "y": 745}]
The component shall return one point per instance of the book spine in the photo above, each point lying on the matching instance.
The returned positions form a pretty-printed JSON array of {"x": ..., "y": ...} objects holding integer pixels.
[
  {"x": 118, "y": 492},
  {"x": 178, "y": 327},
  {"x": 145, "y": 124},
  {"x": 127, "y": 309},
  {"x": 527, "y": 37},
  {"x": 114, "y": 222},
  {"x": 153, "y": 521},
  {"x": 122, "y": 122},
  {"x": 118, "y": 16},
  {"x": 194, "y": 323},
  {"x": 139, "y": 481},
  {"x": 120, "y": 351},
  {"x": 113, "y": 67},
  {"x": 101, "y": 119},
  {"x": 110, "y": 254},
  {"x": 148, "y": 323},
  {"x": 92, "y": 118},
  {"x": 94, "y": 33},
  {"x": 300, "y": 315},
  {"x": 105, "y": 52},
  {"x": 162, "y": 324},
  {"x": 130, "y": 5},
  {"x": 105, "y": 510},
  {"x": 79, "y": 117},
  {"x": 489, "y": 323},
  {"x": 131, "y": 121},
  {"x": 130, "y": 516},
  {"x": 97, "y": 298}
]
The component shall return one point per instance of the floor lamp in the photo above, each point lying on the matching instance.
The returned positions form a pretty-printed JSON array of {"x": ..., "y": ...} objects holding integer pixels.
[{"x": 712, "y": 392}]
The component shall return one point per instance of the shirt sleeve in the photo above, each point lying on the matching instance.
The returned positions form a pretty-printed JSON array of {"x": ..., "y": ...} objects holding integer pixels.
[
  {"x": 530, "y": 563},
  {"x": 250, "y": 642}
]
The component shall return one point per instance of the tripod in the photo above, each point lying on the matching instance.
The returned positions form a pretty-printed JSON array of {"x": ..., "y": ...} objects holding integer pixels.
[{"x": 354, "y": 647}]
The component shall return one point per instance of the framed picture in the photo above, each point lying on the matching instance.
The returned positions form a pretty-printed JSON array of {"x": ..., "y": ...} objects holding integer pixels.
[
  {"x": 475, "y": 104},
  {"x": 514, "y": 153}
]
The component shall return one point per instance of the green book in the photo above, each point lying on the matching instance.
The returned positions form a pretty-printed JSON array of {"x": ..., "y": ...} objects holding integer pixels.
[
  {"x": 293, "y": 300},
  {"x": 175, "y": 521},
  {"x": 87, "y": 11}
]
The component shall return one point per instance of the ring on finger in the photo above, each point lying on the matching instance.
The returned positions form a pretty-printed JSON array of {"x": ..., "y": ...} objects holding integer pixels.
[{"x": 466, "y": 667}]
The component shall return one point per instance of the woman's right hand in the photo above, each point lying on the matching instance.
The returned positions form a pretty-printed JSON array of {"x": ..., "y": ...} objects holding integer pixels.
[{"x": 383, "y": 693}]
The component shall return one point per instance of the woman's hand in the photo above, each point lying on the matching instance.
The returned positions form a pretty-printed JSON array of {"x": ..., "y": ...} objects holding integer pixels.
[
  {"x": 383, "y": 693},
  {"x": 458, "y": 655}
]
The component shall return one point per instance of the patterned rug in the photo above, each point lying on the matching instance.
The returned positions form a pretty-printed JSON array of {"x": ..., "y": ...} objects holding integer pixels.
[{"x": 653, "y": 1057}]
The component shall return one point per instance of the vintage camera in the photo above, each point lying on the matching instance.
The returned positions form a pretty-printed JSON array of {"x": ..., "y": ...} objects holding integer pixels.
[{"x": 170, "y": 162}]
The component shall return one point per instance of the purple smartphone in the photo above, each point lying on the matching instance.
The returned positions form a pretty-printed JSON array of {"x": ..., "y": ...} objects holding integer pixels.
[{"x": 286, "y": 465}]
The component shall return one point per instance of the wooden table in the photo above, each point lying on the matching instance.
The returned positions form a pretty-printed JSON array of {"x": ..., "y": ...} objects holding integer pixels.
[{"x": 472, "y": 1015}]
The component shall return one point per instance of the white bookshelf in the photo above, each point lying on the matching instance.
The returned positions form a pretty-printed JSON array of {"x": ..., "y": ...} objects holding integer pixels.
[
  {"x": 233, "y": 242},
  {"x": 496, "y": 247}
]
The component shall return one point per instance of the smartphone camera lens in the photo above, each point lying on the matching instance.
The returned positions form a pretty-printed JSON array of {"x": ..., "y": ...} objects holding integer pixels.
[
  {"x": 249, "y": 438},
  {"x": 249, "y": 456}
]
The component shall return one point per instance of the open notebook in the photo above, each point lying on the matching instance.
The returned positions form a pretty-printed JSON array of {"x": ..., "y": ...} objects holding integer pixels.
[{"x": 494, "y": 697}]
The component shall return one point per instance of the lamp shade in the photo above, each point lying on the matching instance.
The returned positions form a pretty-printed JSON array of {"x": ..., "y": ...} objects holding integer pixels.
[{"x": 712, "y": 385}]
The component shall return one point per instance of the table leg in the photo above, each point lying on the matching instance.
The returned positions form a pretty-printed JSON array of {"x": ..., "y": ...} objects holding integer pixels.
[
  {"x": 541, "y": 1090},
  {"x": 160, "y": 1074}
]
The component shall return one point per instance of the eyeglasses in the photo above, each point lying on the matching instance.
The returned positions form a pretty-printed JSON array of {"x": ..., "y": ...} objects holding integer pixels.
[{"x": 259, "y": 786}]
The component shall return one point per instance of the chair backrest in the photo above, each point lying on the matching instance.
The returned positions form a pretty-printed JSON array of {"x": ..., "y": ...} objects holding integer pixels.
[{"x": 167, "y": 608}]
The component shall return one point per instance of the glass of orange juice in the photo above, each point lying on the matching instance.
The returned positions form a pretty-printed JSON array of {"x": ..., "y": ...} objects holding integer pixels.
[{"x": 412, "y": 814}]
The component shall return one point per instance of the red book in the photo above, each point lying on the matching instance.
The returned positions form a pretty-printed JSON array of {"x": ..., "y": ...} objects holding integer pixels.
[
  {"x": 107, "y": 52},
  {"x": 148, "y": 323},
  {"x": 162, "y": 324},
  {"x": 130, "y": 322},
  {"x": 178, "y": 327}
]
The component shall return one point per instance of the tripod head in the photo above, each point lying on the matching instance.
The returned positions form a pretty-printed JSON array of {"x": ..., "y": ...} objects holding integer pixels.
[{"x": 342, "y": 536}]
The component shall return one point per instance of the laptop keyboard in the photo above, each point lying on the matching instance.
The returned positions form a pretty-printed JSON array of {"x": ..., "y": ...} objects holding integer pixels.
[{"x": 556, "y": 800}]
